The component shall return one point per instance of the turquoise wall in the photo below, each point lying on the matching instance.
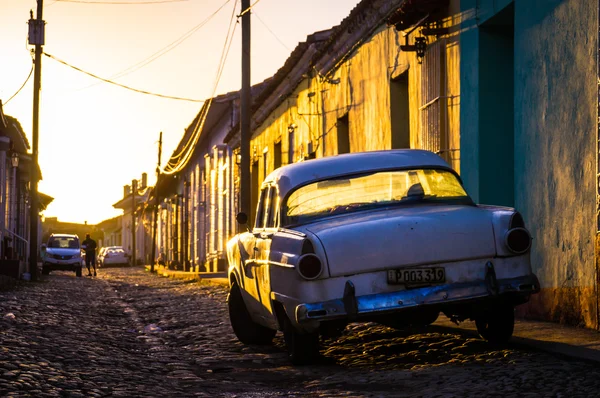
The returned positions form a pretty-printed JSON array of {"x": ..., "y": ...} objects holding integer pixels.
[{"x": 554, "y": 139}]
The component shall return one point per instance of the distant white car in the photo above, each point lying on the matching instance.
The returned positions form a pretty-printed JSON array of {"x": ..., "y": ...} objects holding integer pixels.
[
  {"x": 114, "y": 255},
  {"x": 387, "y": 236},
  {"x": 102, "y": 251}
]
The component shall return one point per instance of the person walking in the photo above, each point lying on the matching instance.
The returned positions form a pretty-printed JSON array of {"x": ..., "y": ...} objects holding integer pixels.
[{"x": 89, "y": 245}]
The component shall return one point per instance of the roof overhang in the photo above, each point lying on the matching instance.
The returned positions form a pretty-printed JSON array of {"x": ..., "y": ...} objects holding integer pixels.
[
  {"x": 412, "y": 12},
  {"x": 44, "y": 200}
]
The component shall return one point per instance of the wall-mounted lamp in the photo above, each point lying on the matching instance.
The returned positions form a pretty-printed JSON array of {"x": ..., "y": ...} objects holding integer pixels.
[
  {"x": 291, "y": 128},
  {"x": 419, "y": 47},
  {"x": 14, "y": 159}
]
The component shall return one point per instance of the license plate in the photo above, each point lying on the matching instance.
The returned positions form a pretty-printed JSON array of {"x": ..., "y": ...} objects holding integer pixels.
[{"x": 415, "y": 276}]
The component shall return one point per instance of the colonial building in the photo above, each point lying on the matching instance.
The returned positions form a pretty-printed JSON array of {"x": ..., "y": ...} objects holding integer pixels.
[
  {"x": 15, "y": 166},
  {"x": 135, "y": 230},
  {"x": 504, "y": 90}
]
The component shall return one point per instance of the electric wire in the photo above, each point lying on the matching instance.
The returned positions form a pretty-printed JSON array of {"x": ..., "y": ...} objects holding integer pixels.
[
  {"x": 119, "y": 2},
  {"x": 119, "y": 84},
  {"x": 23, "y": 85},
  {"x": 171, "y": 46},
  {"x": 196, "y": 130},
  {"x": 178, "y": 161},
  {"x": 248, "y": 9},
  {"x": 270, "y": 31}
]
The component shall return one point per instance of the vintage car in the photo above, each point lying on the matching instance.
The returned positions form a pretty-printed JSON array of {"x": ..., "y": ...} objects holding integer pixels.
[{"x": 385, "y": 236}]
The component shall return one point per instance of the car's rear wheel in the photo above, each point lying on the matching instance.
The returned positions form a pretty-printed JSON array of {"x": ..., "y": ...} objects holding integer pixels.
[
  {"x": 303, "y": 348},
  {"x": 497, "y": 325},
  {"x": 78, "y": 271},
  {"x": 245, "y": 329}
]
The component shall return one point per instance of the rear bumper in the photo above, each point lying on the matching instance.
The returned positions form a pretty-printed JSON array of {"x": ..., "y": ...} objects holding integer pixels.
[
  {"x": 69, "y": 266},
  {"x": 352, "y": 307}
]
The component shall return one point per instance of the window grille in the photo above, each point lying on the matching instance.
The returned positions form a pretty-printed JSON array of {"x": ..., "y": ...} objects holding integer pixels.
[{"x": 433, "y": 125}]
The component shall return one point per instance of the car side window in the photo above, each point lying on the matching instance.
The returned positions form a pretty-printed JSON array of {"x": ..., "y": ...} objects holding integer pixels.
[
  {"x": 260, "y": 209},
  {"x": 271, "y": 210}
]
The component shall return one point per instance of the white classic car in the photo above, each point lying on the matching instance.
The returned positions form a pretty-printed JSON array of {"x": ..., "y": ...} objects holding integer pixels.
[{"x": 387, "y": 236}]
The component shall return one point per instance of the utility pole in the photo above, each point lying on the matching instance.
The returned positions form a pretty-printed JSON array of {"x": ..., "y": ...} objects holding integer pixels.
[
  {"x": 133, "y": 247},
  {"x": 156, "y": 202},
  {"x": 36, "y": 37},
  {"x": 245, "y": 198}
]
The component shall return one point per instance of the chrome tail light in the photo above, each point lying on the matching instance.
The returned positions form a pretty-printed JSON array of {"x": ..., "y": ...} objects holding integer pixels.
[
  {"x": 518, "y": 240},
  {"x": 310, "y": 266}
]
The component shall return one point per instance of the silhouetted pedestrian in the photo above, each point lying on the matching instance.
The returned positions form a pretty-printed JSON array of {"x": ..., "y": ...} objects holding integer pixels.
[{"x": 89, "y": 245}]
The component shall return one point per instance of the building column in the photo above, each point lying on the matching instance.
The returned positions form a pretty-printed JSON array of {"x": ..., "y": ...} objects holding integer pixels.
[{"x": 4, "y": 147}]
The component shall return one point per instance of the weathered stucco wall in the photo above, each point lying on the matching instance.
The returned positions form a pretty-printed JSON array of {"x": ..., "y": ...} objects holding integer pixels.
[
  {"x": 360, "y": 89},
  {"x": 555, "y": 122},
  {"x": 555, "y": 160}
]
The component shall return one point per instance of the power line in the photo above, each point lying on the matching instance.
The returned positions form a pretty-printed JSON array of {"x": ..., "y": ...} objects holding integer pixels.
[
  {"x": 119, "y": 84},
  {"x": 248, "y": 9},
  {"x": 269, "y": 29},
  {"x": 178, "y": 161},
  {"x": 174, "y": 160},
  {"x": 23, "y": 85},
  {"x": 118, "y": 2},
  {"x": 168, "y": 47}
]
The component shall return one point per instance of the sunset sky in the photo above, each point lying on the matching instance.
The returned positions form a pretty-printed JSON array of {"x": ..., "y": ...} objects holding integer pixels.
[{"x": 96, "y": 137}]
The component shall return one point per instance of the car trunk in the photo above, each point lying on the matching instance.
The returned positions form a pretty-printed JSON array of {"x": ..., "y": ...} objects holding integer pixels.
[{"x": 404, "y": 236}]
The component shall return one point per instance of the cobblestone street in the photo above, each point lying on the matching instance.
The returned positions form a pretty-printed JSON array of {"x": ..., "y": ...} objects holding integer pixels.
[{"x": 129, "y": 333}]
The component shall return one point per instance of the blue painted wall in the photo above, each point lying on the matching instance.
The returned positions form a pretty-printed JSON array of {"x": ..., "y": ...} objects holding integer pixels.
[{"x": 554, "y": 139}]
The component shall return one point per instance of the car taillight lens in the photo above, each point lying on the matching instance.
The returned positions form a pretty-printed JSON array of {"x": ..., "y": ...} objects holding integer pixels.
[
  {"x": 516, "y": 221},
  {"x": 310, "y": 266},
  {"x": 518, "y": 240}
]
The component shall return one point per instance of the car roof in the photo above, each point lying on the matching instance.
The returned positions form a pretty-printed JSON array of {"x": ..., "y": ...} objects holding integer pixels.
[
  {"x": 64, "y": 236},
  {"x": 296, "y": 174}
]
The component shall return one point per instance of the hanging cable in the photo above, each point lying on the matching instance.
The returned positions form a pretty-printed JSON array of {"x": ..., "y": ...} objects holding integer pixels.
[
  {"x": 229, "y": 37},
  {"x": 248, "y": 9},
  {"x": 119, "y": 2},
  {"x": 171, "y": 46},
  {"x": 173, "y": 161},
  {"x": 23, "y": 85},
  {"x": 175, "y": 166},
  {"x": 178, "y": 161},
  {"x": 119, "y": 84},
  {"x": 270, "y": 31}
]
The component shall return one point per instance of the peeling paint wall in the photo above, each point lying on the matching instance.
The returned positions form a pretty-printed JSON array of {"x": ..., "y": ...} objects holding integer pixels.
[
  {"x": 556, "y": 122},
  {"x": 555, "y": 127},
  {"x": 359, "y": 89}
]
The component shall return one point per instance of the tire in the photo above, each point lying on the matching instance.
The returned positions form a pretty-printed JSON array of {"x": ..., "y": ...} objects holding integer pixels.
[
  {"x": 303, "y": 349},
  {"x": 498, "y": 326},
  {"x": 78, "y": 272},
  {"x": 246, "y": 330},
  {"x": 45, "y": 271}
]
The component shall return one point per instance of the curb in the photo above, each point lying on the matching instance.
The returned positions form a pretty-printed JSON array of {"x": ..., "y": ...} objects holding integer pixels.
[{"x": 213, "y": 277}]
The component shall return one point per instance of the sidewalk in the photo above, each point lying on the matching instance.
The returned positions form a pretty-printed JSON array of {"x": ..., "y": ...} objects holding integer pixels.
[
  {"x": 573, "y": 342},
  {"x": 550, "y": 337},
  {"x": 213, "y": 277}
]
